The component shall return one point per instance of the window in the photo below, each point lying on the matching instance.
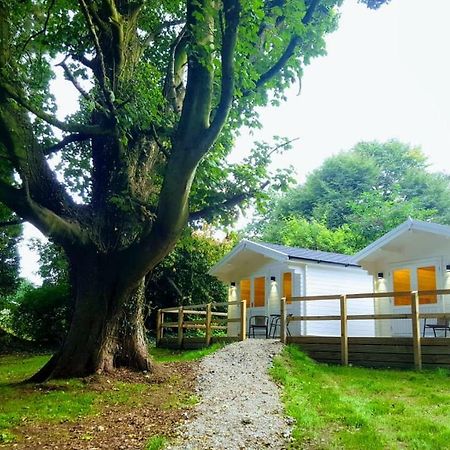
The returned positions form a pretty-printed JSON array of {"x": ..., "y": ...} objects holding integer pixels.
[
  {"x": 402, "y": 283},
  {"x": 287, "y": 286},
  {"x": 426, "y": 281},
  {"x": 260, "y": 291},
  {"x": 245, "y": 291}
]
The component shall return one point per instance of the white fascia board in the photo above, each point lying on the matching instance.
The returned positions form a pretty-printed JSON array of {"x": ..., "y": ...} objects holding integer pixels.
[
  {"x": 267, "y": 251},
  {"x": 246, "y": 244}
]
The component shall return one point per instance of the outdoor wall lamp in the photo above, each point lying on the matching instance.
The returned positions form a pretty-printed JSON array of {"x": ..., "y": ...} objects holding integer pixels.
[{"x": 380, "y": 275}]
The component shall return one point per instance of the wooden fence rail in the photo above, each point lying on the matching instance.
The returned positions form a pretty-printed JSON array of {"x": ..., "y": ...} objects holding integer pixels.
[
  {"x": 344, "y": 317},
  {"x": 201, "y": 317}
]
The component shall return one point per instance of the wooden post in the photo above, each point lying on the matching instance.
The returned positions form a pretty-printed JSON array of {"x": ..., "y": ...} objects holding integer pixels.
[
  {"x": 180, "y": 326},
  {"x": 208, "y": 325},
  {"x": 283, "y": 320},
  {"x": 243, "y": 323},
  {"x": 416, "y": 330},
  {"x": 159, "y": 319},
  {"x": 344, "y": 331}
]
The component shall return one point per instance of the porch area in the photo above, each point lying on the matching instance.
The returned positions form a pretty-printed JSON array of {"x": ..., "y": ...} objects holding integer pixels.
[{"x": 231, "y": 319}]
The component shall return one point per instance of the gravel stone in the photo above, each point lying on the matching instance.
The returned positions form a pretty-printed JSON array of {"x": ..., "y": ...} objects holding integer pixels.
[{"x": 239, "y": 405}]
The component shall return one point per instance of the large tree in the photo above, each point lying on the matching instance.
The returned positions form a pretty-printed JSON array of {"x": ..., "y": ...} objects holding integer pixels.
[{"x": 163, "y": 87}]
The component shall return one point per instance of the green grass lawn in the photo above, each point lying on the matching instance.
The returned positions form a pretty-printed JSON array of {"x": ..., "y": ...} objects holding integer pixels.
[
  {"x": 354, "y": 408},
  {"x": 68, "y": 400}
]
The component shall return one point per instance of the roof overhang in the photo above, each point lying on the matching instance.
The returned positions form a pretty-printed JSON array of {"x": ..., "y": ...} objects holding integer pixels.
[
  {"x": 404, "y": 236},
  {"x": 246, "y": 253}
]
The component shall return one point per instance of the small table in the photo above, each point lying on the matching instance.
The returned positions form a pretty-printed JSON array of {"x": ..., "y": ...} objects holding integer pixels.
[{"x": 441, "y": 324}]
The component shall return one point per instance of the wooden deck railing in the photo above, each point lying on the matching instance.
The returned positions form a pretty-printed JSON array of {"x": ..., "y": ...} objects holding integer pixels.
[
  {"x": 208, "y": 321},
  {"x": 415, "y": 315}
]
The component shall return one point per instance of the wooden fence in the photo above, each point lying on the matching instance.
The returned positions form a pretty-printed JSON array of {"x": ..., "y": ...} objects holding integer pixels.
[
  {"x": 431, "y": 351},
  {"x": 200, "y": 317}
]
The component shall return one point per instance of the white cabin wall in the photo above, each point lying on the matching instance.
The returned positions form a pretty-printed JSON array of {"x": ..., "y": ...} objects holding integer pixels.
[{"x": 325, "y": 279}]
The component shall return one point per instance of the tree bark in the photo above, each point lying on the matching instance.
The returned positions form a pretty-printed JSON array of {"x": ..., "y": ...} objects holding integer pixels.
[{"x": 107, "y": 329}]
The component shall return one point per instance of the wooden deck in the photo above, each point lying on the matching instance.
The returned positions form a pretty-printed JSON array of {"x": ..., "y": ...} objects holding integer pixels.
[{"x": 376, "y": 351}]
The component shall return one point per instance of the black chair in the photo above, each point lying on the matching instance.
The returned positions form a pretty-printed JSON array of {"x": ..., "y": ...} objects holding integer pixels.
[
  {"x": 275, "y": 322},
  {"x": 258, "y": 322},
  {"x": 442, "y": 323}
]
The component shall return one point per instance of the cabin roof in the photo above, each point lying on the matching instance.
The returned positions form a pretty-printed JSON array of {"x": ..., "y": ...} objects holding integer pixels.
[
  {"x": 402, "y": 233},
  {"x": 252, "y": 254},
  {"x": 311, "y": 255}
]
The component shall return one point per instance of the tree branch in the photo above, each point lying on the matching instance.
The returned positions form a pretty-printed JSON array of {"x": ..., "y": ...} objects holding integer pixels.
[
  {"x": 170, "y": 88},
  {"x": 80, "y": 137},
  {"x": 287, "y": 54},
  {"x": 232, "y": 16},
  {"x": 229, "y": 203},
  {"x": 103, "y": 78},
  {"x": 72, "y": 79},
  {"x": 52, "y": 225},
  {"x": 44, "y": 29},
  {"x": 49, "y": 118}
]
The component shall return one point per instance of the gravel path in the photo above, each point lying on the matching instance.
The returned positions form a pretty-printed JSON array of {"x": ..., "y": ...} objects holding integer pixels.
[{"x": 239, "y": 405}]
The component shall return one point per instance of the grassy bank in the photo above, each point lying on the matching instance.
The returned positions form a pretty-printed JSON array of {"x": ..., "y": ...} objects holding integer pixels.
[{"x": 353, "y": 408}]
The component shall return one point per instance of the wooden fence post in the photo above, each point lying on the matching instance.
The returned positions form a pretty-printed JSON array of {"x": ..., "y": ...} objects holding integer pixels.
[
  {"x": 180, "y": 326},
  {"x": 283, "y": 320},
  {"x": 159, "y": 321},
  {"x": 208, "y": 324},
  {"x": 243, "y": 323},
  {"x": 344, "y": 330},
  {"x": 415, "y": 319}
]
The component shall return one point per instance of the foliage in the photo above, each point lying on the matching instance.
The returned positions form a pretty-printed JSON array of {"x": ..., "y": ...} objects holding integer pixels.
[
  {"x": 9, "y": 256},
  {"x": 355, "y": 197},
  {"x": 182, "y": 277},
  {"x": 43, "y": 314},
  {"x": 10, "y": 302},
  {"x": 354, "y": 408},
  {"x": 53, "y": 264},
  {"x": 298, "y": 232}
]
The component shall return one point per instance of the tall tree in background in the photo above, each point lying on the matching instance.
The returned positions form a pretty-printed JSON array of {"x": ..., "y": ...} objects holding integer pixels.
[
  {"x": 169, "y": 83},
  {"x": 10, "y": 232},
  {"x": 356, "y": 196}
]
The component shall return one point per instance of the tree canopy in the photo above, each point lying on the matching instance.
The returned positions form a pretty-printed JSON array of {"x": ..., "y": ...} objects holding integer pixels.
[{"x": 356, "y": 196}]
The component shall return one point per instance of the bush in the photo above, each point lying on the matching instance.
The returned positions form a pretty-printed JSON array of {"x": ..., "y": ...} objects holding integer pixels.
[{"x": 42, "y": 314}]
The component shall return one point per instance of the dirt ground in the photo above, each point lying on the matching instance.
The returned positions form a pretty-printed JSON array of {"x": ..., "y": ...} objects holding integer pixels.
[{"x": 121, "y": 426}]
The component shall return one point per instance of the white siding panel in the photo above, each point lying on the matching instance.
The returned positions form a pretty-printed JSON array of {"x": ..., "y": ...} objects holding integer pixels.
[{"x": 322, "y": 280}]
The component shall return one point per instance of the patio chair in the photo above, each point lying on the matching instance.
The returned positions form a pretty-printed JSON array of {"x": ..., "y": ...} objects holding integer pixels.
[
  {"x": 258, "y": 322},
  {"x": 275, "y": 322},
  {"x": 442, "y": 323}
]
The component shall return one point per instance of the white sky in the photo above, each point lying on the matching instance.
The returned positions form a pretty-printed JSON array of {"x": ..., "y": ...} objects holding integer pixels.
[{"x": 386, "y": 75}]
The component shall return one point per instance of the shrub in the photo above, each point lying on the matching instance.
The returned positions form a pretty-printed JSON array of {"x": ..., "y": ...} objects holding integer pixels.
[{"x": 42, "y": 314}]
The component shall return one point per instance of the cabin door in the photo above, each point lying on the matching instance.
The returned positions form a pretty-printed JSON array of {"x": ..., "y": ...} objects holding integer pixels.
[{"x": 422, "y": 277}]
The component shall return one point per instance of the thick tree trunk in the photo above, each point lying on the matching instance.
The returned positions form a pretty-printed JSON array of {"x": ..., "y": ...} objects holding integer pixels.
[{"x": 107, "y": 328}]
